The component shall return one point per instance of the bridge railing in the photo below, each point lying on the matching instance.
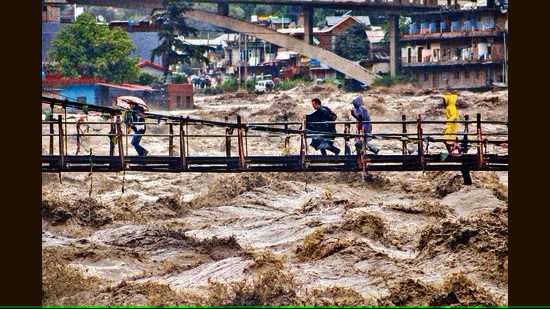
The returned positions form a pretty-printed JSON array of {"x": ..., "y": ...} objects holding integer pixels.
[
  {"x": 79, "y": 135},
  {"x": 77, "y": 141}
]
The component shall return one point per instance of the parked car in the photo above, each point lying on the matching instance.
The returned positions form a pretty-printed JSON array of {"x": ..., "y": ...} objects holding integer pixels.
[
  {"x": 264, "y": 77},
  {"x": 263, "y": 86}
]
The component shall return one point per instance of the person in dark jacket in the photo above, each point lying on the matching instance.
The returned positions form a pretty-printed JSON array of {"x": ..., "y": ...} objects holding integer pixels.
[
  {"x": 137, "y": 123},
  {"x": 360, "y": 112},
  {"x": 317, "y": 122}
]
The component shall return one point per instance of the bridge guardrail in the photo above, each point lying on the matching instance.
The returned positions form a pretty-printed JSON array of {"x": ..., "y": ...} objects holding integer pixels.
[{"x": 64, "y": 137}]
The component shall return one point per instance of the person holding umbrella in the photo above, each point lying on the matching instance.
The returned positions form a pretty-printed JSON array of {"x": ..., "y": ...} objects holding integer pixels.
[{"x": 137, "y": 123}]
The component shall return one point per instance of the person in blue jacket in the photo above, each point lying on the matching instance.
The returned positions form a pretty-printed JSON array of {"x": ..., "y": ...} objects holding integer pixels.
[{"x": 323, "y": 131}]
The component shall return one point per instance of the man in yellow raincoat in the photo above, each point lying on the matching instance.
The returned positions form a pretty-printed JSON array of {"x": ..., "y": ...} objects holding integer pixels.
[{"x": 451, "y": 128}]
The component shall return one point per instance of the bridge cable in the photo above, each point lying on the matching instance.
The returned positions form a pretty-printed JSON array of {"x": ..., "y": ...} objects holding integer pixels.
[
  {"x": 123, "y": 178},
  {"x": 90, "y": 174}
]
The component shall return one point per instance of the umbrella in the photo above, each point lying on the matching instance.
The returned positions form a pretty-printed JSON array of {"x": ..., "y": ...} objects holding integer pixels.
[{"x": 124, "y": 102}]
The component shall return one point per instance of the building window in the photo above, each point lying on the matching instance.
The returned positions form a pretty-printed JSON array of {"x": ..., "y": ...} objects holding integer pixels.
[
  {"x": 487, "y": 23},
  {"x": 426, "y": 77},
  {"x": 457, "y": 74},
  {"x": 436, "y": 54},
  {"x": 466, "y": 74},
  {"x": 477, "y": 74},
  {"x": 446, "y": 54}
]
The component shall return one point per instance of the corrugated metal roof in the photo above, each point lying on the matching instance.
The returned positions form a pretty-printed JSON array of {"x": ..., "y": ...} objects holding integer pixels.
[
  {"x": 220, "y": 40},
  {"x": 375, "y": 34},
  {"x": 127, "y": 86},
  {"x": 285, "y": 55},
  {"x": 149, "y": 63},
  {"x": 333, "y": 20},
  {"x": 315, "y": 29}
]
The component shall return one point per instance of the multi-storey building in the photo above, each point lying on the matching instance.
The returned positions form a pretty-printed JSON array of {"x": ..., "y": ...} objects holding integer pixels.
[
  {"x": 464, "y": 48},
  {"x": 245, "y": 55},
  {"x": 51, "y": 10}
]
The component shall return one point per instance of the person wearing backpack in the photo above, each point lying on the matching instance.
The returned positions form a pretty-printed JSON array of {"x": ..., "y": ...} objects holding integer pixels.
[
  {"x": 320, "y": 122},
  {"x": 137, "y": 123}
]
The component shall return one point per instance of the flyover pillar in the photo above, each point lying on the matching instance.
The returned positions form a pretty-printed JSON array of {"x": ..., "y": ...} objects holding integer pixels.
[
  {"x": 395, "y": 50},
  {"x": 223, "y": 8},
  {"x": 308, "y": 24}
]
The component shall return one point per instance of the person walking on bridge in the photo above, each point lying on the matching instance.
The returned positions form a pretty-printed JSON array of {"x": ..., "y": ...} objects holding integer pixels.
[
  {"x": 320, "y": 122},
  {"x": 137, "y": 123},
  {"x": 364, "y": 126},
  {"x": 451, "y": 128}
]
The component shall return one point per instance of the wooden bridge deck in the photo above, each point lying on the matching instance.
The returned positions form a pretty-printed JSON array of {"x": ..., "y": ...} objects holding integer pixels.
[{"x": 290, "y": 163}]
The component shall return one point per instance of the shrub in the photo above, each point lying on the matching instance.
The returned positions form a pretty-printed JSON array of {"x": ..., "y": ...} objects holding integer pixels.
[
  {"x": 250, "y": 84},
  {"x": 230, "y": 85},
  {"x": 179, "y": 78},
  {"x": 145, "y": 78},
  {"x": 213, "y": 90}
]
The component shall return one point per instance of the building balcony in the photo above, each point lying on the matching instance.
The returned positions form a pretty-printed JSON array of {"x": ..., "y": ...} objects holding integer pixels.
[
  {"x": 442, "y": 35},
  {"x": 448, "y": 61},
  {"x": 453, "y": 30}
]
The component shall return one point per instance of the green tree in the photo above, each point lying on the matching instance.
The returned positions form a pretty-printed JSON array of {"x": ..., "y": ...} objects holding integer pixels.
[
  {"x": 262, "y": 9},
  {"x": 248, "y": 9},
  {"x": 353, "y": 43},
  {"x": 88, "y": 49},
  {"x": 321, "y": 14},
  {"x": 237, "y": 12},
  {"x": 172, "y": 48}
]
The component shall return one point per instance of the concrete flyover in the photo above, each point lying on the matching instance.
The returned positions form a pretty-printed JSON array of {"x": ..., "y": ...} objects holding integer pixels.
[
  {"x": 332, "y": 60},
  {"x": 388, "y": 6},
  {"x": 304, "y": 47}
]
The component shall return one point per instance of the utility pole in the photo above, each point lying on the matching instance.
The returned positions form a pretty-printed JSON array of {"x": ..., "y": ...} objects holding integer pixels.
[
  {"x": 239, "y": 63},
  {"x": 245, "y": 57},
  {"x": 208, "y": 44}
]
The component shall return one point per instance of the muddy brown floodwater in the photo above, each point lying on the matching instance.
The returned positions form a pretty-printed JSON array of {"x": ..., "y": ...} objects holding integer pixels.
[{"x": 327, "y": 238}]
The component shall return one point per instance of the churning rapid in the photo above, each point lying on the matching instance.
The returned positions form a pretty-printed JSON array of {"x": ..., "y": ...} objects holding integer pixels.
[{"x": 391, "y": 238}]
